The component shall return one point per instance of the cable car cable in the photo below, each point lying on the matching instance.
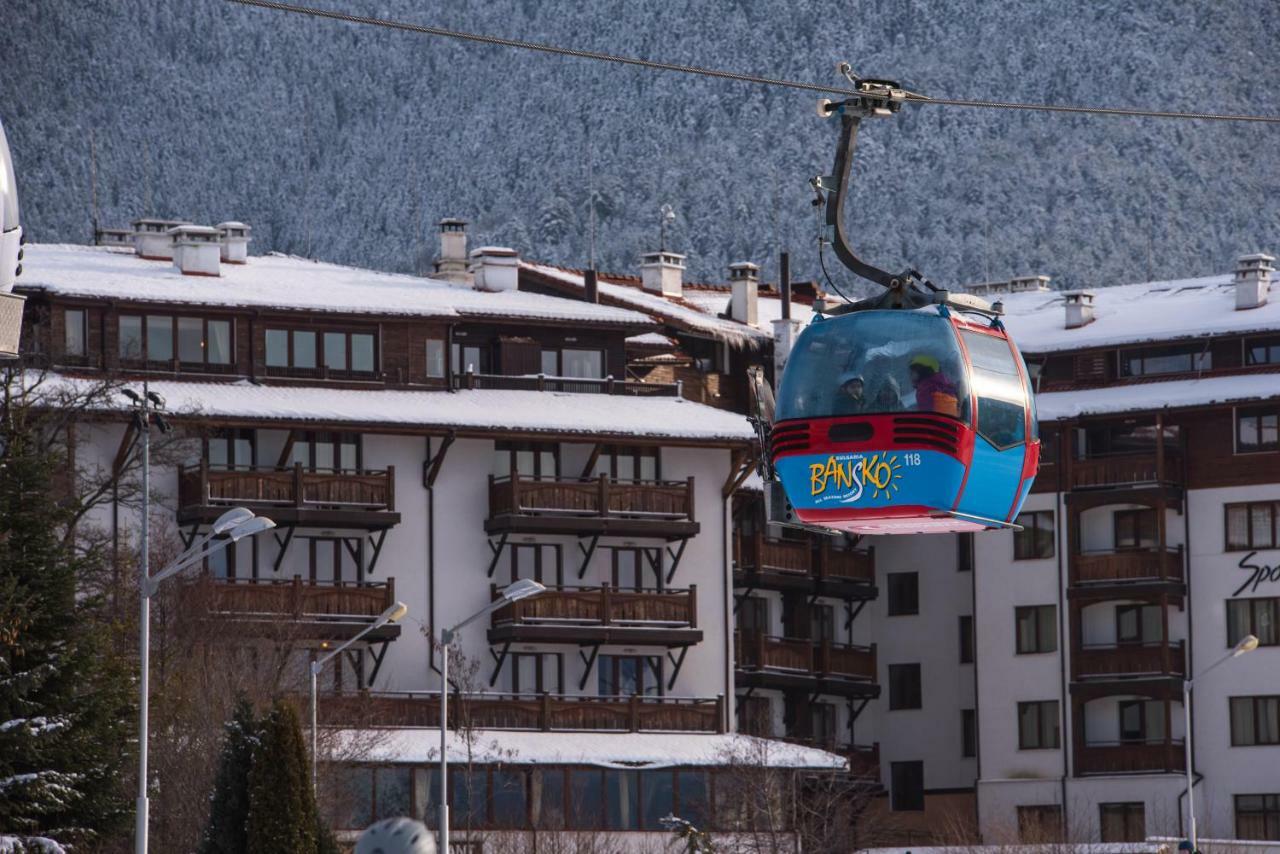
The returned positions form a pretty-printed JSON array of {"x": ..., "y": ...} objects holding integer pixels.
[{"x": 911, "y": 97}]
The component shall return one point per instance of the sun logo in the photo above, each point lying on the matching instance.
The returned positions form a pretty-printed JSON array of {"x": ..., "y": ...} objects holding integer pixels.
[{"x": 881, "y": 474}]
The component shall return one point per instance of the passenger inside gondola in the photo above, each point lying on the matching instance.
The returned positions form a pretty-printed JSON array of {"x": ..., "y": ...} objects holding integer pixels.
[{"x": 935, "y": 392}]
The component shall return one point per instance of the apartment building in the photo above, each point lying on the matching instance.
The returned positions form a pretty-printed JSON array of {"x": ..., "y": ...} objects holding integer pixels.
[{"x": 430, "y": 441}]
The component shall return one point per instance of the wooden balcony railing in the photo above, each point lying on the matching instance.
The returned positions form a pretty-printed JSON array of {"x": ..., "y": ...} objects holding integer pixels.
[
  {"x": 1128, "y": 757},
  {"x": 599, "y": 497},
  {"x": 1126, "y": 565},
  {"x": 822, "y": 659},
  {"x": 864, "y": 759},
  {"x": 1133, "y": 469},
  {"x": 603, "y": 606},
  {"x": 293, "y": 487},
  {"x": 545, "y": 712},
  {"x": 297, "y": 599},
  {"x": 803, "y": 558},
  {"x": 1128, "y": 659},
  {"x": 572, "y": 385}
]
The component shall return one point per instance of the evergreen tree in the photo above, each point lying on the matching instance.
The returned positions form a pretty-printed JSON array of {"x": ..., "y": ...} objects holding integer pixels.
[
  {"x": 228, "y": 829},
  {"x": 282, "y": 805},
  {"x": 66, "y": 714}
]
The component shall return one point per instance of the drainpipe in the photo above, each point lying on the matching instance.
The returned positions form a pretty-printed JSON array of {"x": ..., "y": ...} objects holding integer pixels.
[
  {"x": 431, "y": 559},
  {"x": 726, "y": 602},
  {"x": 1186, "y": 575},
  {"x": 1065, "y": 442}
]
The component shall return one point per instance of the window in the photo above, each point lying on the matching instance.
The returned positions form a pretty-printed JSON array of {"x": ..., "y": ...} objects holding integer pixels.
[
  {"x": 159, "y": 338},
  {"x": 657, "y": 798},
  {"x": 904, "y": 686},
  {"x": 588, "y": 364},
  {"x": 508, "y": 799},
  {"x": 753, "y": 614},
  {"x": 538, "y": 561},
  {"x": 626, "y": 463},
  {"x": 1139, "y": 624},
  {"x": 1038, "y": 725},
  {"x": 906, "y": 785},
  {"x": 1037, "y": 629},
  {"x": 1134, "y": 529},
  {"x": 1260, "y": 617},
  {"x": 904, "y": 593},
  {"x": 1251, "y": 526},
  {"x": 1036, "y": 539},
  {"x": 966, "y": 639},
  {"x": 435, "y": 358},
  {"x": 1141, "y": 721},
  {"x": 1258, "y": 816},
  {"x": 822, "y": 623},
  {"x": 75, "y": 338},
  {"x": 1126, "y": 822},
  {"x": 628, "y": 675},
  {"x": 537, "y": 673},
  {"x": 754, "y": 716},
  {"x": 964, "y": 553},
  {"x": 1180, "y": 359},
  {"x": 327, "y": 451},
  {"x": 1139, "y": 436},
  {"x": 528, "y": 459},
  {"x": 586, "y": 798},
  {"x": 230, "y": 449},
  {"x": 997, "y": 382},
  {"x": 629, "y": 565},
  {"x": 131, "y": 342},
  {"x": 469, "y": 358},
  {"x": 822, "y": 723},
  {"x": 1262, "y": 351},
  {"x": 1257, "y": 429},
  {"x": 339, "y": 352},
  {"x": 1040, "y": 823},
  {"x": 968, "y": 733},
  {"x": 1255, "y": 721}
]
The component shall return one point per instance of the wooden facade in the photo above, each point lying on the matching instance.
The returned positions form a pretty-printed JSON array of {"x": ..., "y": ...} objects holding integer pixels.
[
  {"x": 600, "y": 505},
  {"x": 600, "y": 615}
]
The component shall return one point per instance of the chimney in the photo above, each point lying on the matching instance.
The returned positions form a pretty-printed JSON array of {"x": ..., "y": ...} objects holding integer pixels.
[
  {"x": 662, "y": 272},
  {"x": 451, "y": 264},
  {"x": 151, "y": 239},
  {"x": 196, "y": 250},
  {"x": 1079, "y": 308},
  {"x": 235, "y": 242},
  {"x": 744, "y": 304},
  {"x": 495, "y": 268},
  {"x": 1253, "y": 280},
  {"x": 590, "y": 286}
]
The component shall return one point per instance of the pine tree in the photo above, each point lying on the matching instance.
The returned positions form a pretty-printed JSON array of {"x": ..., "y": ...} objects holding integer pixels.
[
  {"x": 66, "y": 714},
  {"x": 228, "y": 829},
  {"x": 282, "y": 805}
]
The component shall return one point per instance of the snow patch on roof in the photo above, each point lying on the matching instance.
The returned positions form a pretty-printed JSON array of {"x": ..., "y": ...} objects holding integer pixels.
[
  {"x": 769, "y": 308},
  {"x": 289, "y": 283},
  {"x": 605, "y": 749},
  {"x": 651, "y": 339},
  {"x": 1145, "y": 397}
]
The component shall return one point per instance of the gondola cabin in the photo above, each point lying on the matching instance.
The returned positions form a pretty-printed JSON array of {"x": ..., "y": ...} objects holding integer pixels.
[{"x": 905, "y": 421}]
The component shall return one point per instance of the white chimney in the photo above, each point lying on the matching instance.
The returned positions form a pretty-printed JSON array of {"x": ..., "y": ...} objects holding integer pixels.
[
  {"x": 662, "y": 273},
  {"x": 120, "y": 237},
  {"x": 1079, "y": 308},
  {"x": 235, "y": 242},
  {"x": 196, "y": 250},
  {"x": 495, "y": 268},
  {"x": 451, "y": 264},
  {"x": 151, "y": 239},
  {"x": 1253, "y": 280},
  {"x": 744, "y": 303}
]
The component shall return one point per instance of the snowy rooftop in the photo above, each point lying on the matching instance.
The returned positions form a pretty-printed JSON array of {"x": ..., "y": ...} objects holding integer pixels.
[
  {"x": 685, "y": 313},
  {"x": 291, "y": 283},
  {"x": 1130, "y": 314},
  {"x": 610, "y": 750},
  {"x": 770, "y": 307},
  {"x": 1144, "y": 397},
  {"x": 661, "y": 418}
]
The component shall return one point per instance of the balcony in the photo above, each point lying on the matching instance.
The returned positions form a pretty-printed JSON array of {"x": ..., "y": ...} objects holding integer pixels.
[
  {"x": 1128, "y": 660},
  {"x": 330, "y": 610},
  {"x": 1129, "y": 758},
  {"x": 290, "y": 496},
  {"x": 591, "y": 507},
  {"x": 1109, "y": 471},
  {"x": 765, "y": 661},
  {"x": 1127, "y": 566},
  {"x": 539, "y": 712},
  {"x": 805, "y": 566},
  {"x": 864, "y": 759},
  {"x": 600, "y": 615},
  {"x": 571, "y": 385}
]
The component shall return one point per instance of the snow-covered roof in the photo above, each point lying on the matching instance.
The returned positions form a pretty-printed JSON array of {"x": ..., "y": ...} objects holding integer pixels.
[
  {"x": 684, "y": 313},
  {"x": 659, "y": 418},
  {"x": 1130, "y": 314},
  {"x": 651, "y": 339},
  {"x": 606, "y": 749},
  {"x": 290, "y": 283},
  {"x": 770, "y": 307},
  {"x": 1145, "y": 397}
]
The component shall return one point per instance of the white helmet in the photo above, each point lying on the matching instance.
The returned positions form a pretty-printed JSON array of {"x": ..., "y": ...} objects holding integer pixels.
[{"x": 396, "y": 836}]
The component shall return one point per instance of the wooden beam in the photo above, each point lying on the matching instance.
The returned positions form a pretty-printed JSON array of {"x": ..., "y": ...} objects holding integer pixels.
[
  {"x": 287, "y": 451},
  {"x": 591, "y": 460},
  {"x": 744, "y": 463},
  {"x": 437, "y": 459},
  {"x": 126, "y": 445}
]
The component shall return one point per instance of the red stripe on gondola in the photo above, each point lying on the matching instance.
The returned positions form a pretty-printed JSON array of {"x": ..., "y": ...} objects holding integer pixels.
[{"x": 913, "y": 431}]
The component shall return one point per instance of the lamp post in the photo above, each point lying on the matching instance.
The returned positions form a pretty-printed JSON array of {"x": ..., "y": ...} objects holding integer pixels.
[
  {"x": 1247, "y": 644},
  {"x": 514, "y": 592},
  {"x": 393, "y": 614}
]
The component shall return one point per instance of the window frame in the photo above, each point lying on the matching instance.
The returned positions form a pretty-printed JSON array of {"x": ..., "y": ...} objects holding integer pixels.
[
  {"x": 1248, "y": 507},
  {"x": 1269, "y": 813},
  {"x": 968, "y": 733},
  {"x": 966, "y": 639},
  {"x": 1041, "y": 816},
  {"x": 1029, "y": 532},
  {"x": 902, "y": 799},
  {"x": 1253, "y": 605},
  {"x": 1037, "y": 612},
  {"x": 1239, "y": 414},
  {"x": 83, "y": 325},
  {"x": 1127, "y": 811},
  {"x": 895, "y": 606},
  {"x": 1255, "y": 702},
  {"x": 1199, "y": 359},
  {"x": 321, "y": 369},
  {"x": 1040, "y": 707},
  {"x": 905, "y": 694},
  {"x": 1270, "y": 342},
  {"x": 444, "y": 358},
  {"x": 1137, "y": 517}
]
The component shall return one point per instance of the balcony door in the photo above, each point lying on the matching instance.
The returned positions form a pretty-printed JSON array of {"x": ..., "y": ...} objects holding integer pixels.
[
  {"x": 1141, "y": 721},
  {"x": 537, "y": 561},
  {"x": 331, "y": 560},
  {"x": 626, "y": 464},
  {"x": 631, "y": 570},
  {"x": 537, "y": 673},
  {"x": 1135, "y": 529},
  {"x": 532, "y": 460},
  {"x": 326, "y": 451},
  {"x": 1136, "y": 436},
  {"x": 1139, "y": 624},
  {"x": 230, "y": 450},
  {"x": 753, "y": 615},
  {"x": 628, "y": 675}
]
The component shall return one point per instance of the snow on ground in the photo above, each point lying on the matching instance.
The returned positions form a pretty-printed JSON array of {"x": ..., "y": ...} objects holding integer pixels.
[
  {"x": 290, "y": 283},
  {"x": 1143, "y": 397},
  {"x": 29, "y": 845},
  {"x": 1125, "y": 314},
  {"x": 533, "y": 411},
  {"x": 605, "y": 749}
]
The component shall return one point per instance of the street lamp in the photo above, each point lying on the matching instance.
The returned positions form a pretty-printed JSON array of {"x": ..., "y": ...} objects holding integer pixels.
[
  {"x": 514, "y": 592},
  {"x": 1247, "y": 644},
  {"x": 393, "y": 614}
]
